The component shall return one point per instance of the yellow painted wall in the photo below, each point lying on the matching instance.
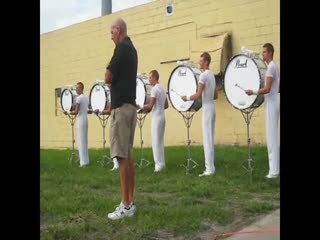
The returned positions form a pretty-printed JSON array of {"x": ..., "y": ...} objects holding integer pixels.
[{"x": 80, "y": 53}]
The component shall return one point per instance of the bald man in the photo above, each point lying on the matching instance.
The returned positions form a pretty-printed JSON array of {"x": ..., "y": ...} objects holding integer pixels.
[{"x": 121, "y": 73}]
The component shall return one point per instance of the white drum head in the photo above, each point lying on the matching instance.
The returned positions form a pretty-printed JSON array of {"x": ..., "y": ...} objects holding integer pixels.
[
  {"x": 241, "y": 74},
  {"x": 182, "y": 82},
  {"x": 99, "y": 97},
  {"x": 140, "y": 92},
  {"x": 66, "y": 100}
]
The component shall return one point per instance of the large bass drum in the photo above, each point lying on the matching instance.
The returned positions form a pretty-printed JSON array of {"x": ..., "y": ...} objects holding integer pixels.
[
  {"x": 183, "y": 81},
  {"x": 143, "y": 92},
  {"x": 100, "y": 96},
  {"x": 243, "y": 73},
  {"x": 68, "y": 99}
]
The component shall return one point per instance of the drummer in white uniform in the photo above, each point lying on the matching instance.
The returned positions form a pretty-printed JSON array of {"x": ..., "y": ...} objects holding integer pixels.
[
  {"x": 206, "y": 89},
  {"x": 158, "y": 103},
  {"x": 271, "y": 92},
  {"x": 82, "y": 103}
]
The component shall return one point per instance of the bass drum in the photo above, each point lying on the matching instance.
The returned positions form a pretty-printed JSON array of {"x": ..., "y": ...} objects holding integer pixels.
[
  {"x": 183, "y": 81},
  {"x": 143, "y": 93},
  {"x": 68, "y": 99},
  {"x": 100, "y": 96},
  {"x": 242, "y": 73}
]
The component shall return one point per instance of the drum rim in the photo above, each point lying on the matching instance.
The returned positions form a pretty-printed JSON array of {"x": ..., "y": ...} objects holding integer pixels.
[
  {"x": 145, "y": 97},
  {"x": 224, "y": 89},
  {"x": 66, "y": 89},
  {"x": 195, "y": 79},
  {"x": 105, "y": 92}
]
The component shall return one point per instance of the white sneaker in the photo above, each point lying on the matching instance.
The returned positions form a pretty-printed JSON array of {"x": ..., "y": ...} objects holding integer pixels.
[
  {"x": 115, "y": 164},
  {"x": 120, "y": 206},
  {"x": 121, "y": 212},
  {"x": 205, "y": 173},
  {"x": 132, "y": 210},
  {"x": 114, "y": 168},
  {"x": 272, "y": 175},
  {"x": 158, "y": 169},
  {"x": 118, "y": 213}
]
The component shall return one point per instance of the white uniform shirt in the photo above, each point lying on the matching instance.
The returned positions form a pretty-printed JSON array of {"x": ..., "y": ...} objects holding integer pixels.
[
  {"x": 159, "y": 93},
  {"x": 273, "y": 71},
  {"x": 84, "y": 102},
  {"x": 207, "y": 79}
]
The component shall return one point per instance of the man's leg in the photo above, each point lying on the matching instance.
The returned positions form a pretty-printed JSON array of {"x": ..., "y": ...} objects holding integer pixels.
[
  {"x": 123, "y": 125},
  {"x": 124, "y": 180},
  {"x": 131, "y": 172},
  {"x": 161, "y": 126},
  {"x": 155, "y": 143},
  {"x": 271, "y": 118},
  {"x": 207, "y": 132},
  {"x": 131, "y": 179}
]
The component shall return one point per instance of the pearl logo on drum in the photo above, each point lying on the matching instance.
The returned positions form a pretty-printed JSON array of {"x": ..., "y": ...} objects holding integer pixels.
[
  {"x": 182, "y": 72},
  {"x": 243, "y": 72},
  {"x": 241, "y": 65}
]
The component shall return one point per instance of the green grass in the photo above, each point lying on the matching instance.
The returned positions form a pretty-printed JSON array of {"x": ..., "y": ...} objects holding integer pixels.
[{"x": 75, "y": 201}]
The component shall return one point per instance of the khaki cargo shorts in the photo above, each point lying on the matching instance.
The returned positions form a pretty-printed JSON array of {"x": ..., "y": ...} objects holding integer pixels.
[{"x": 122, "y": 127}]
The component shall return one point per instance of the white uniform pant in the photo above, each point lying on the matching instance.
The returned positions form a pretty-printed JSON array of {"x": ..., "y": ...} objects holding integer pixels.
[
  {"x": 208, "y": 123},
  {"x": 157, "y": 130},
  {"x": 272, "y": 116},
  {"x": 83, "y": 141}
]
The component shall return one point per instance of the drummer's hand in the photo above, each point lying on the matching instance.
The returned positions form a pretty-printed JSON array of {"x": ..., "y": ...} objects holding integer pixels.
[
  {"x": 108, "y": 112},
  {"x": 184, "y": 98},
  {"x": 138, "y": 106},
  {"x": 96, "y": 111},
  {"x": 249, "y": 92}
]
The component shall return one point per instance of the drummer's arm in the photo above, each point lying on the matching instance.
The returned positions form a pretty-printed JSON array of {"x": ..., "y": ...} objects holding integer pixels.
[
  {"x": 271, "y": 71},
  {"x": 76, "y": 111},
  {"x": 266, "y": 89},
  {"x": 166, "y": 105},
  {"x": 198, "y": 93},
  {"x": 149, "y": 106},
  {"x": 215, "y": 94}
]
